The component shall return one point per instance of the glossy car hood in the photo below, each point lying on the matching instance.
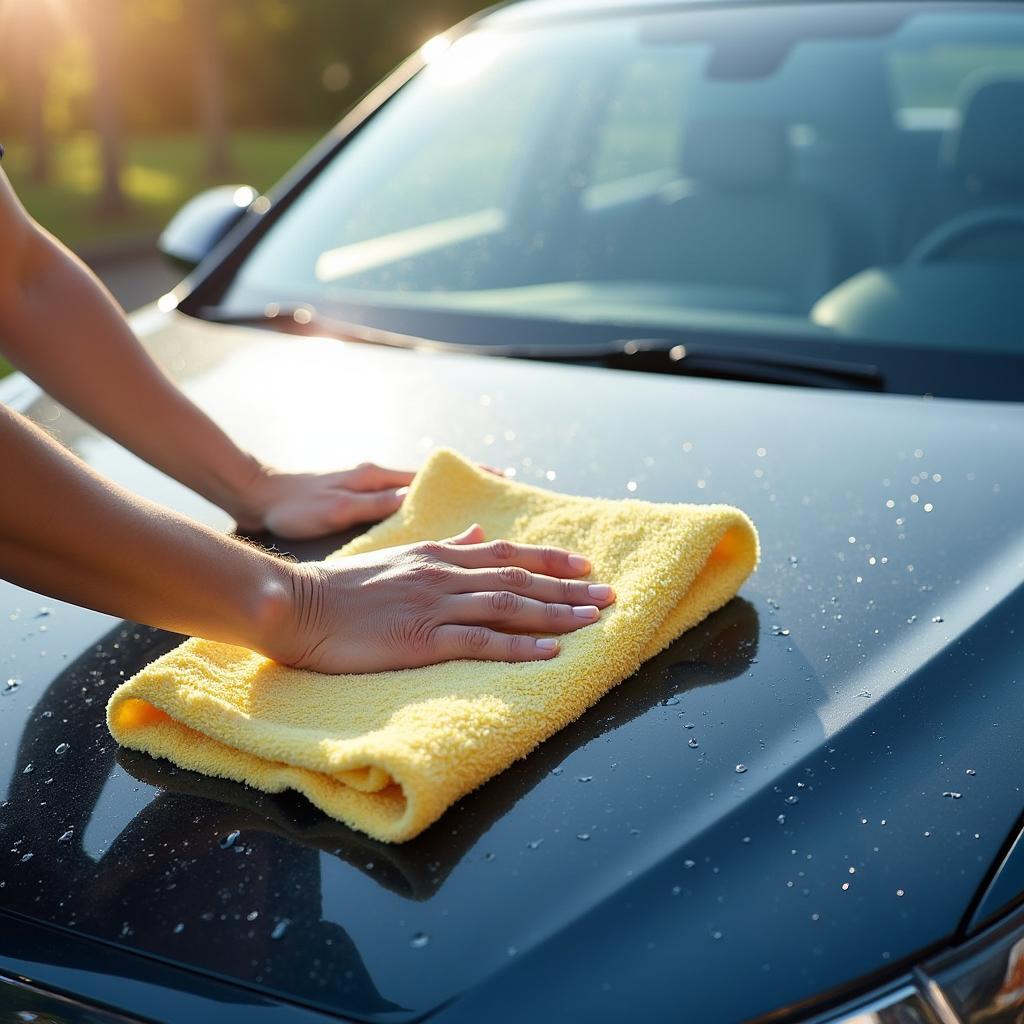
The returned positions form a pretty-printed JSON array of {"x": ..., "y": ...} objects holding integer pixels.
[{"x": 867, "y": 679}]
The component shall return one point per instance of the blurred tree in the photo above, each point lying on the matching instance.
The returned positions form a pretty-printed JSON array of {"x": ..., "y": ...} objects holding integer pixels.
[
  {"x": 204, "y": 27},
  {"x": 103, "y": 24},
  {"x": 28, "y": 34}
]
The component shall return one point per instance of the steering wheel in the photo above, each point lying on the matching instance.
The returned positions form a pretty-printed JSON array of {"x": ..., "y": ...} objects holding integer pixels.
[{"x": 938, "y": 243}]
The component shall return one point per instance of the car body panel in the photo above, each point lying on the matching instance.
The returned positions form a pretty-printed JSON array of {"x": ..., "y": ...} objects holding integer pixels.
[{"x": 855, "y": 692}]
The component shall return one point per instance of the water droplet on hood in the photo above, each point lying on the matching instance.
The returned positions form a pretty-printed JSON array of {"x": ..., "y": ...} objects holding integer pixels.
[
  {"x": 229, "y": 840},
  {"x": 67, "y": 836},
  {"x": 419, "y": 940},
  {"x": 740, "y": 769},
  {"x": 952, "y": 794},
  {"x": 692, "y": 742},
  {"x": 62, "y": 748},
  {"x": 280, "y": 928}
]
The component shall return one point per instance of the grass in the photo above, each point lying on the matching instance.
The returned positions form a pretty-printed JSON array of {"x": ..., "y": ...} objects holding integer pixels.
[{"x": 159, "y": 174}]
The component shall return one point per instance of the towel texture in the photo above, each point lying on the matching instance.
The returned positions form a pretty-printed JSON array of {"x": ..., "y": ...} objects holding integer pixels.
[{"x": 389, "y": 752}]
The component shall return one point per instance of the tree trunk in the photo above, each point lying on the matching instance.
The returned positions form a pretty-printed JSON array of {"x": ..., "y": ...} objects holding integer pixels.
[
  {"x": 205, "y": 33},
  {"x": 112, "y": 201}
]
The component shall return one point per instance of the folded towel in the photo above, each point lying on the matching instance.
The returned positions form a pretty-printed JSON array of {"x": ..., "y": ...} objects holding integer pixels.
[{"x": 389, "y": 752}]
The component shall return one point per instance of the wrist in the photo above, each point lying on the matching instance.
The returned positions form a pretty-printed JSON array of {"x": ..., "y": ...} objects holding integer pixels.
[
  {"x": 245, "y": 493},
  {"x": 289, "y": 611}
]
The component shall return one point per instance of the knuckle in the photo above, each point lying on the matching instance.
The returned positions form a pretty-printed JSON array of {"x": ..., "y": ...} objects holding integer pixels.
[
  {"x": 476, "y": 638},
  {"x": 550, "y": 557},
  {"x": 515, "y": 646},
  {"x": 503, "y": 550},
  {"x": 514, "y": 576},
  {"x": 567, "y": 590},
  {"x": 554, "y": 612},
  {"x": 504, "y": 602},
  {"x": 429, "y": 574}
]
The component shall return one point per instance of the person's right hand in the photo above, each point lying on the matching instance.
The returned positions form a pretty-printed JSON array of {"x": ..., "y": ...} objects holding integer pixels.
[{"x": 437, "y": 601}]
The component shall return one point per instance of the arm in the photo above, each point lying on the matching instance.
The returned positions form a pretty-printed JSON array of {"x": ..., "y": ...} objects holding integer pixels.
[
  {"x": 67, "y": 532},
  {"x": 60, "y": 326}
]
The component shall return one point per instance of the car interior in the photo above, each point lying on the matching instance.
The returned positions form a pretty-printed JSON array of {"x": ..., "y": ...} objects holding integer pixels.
[{"x": 860, "y": 173}]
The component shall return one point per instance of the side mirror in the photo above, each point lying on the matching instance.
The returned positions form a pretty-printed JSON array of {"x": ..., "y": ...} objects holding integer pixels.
[{"x": 202, "y": 222}]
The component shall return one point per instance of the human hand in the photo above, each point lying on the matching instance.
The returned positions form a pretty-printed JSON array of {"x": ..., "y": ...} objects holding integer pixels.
[
  {"x": 303, "y": 505},
  {"x": 425, "y": 603}
]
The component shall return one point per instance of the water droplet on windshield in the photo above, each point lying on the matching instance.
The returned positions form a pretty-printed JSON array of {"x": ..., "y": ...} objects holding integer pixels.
[
  {"x": 631, "y": 486},
  {"x": 779, "y": 631},
  {"x": 740, "y": 769},
  {"x": 62, "y": 748},
  {"x": 67, "y": 836},
  {"x": 937, "y": 618},
  {"x": 584, "y": 778},
  {"x": 952, "y": 794},
  {"x": 584, "y": 836},
  {"x": 26, "y": 857},
  {"x": 419, "y": 940},
  {"x": 792, "y": 799},
  {"x": 28, "y": 769},
  {"x": 670, "y": 701},
  {"x": 864, "y": 693},
  {"x": 899, "y": 892},
  {"x": 692, "y": 742},
  {"x": 689, "y": 864},
  {"x": 781, "y": 819},
  {"x": 229, "y": 840},
  {"x": 970, "y": 771},
  {"x": 676, "y": 890},
  {"x": 179, "y": 928},
  {"x": 10, "y": 686},
  {"x": 533, "y": 844},
  {"x": 280, "y": 928}
]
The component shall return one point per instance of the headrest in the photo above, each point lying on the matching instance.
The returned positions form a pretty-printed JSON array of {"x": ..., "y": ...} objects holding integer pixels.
[
  {"x": 735, "y": 152},
  {"x": 989, "y": 144}
]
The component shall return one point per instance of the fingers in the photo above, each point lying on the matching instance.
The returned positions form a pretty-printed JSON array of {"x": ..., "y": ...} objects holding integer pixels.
[
  {"x": 512, "y": 611},
  {"x": 368, "y": 476},
  {"x": 551, "y": 561},
  {"x": 471, "y": 535},
  {"x": 479, "y": 643},
  {"x": 368, "y": 506},
  {"x": 533, "y": 585}
]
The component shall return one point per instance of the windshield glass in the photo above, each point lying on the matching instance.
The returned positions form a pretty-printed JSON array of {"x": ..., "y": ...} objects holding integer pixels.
[{"x": 833, "y": 172}]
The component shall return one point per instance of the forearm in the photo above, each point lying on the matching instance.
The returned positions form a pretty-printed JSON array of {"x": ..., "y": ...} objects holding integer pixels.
[
  {"x": 65, "y": 331},
  {"x": 73, "y": 535}
]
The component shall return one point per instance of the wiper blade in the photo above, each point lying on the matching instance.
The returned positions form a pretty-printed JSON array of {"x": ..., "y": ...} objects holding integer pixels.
[
  {"x": 652, "y": 355},
  {"x": 659, "y": 355}
]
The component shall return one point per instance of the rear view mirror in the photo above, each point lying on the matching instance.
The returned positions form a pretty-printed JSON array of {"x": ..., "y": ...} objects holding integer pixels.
[{"x": 202, "y": 222}]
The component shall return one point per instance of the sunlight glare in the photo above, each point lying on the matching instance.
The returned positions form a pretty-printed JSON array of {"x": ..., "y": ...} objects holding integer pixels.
[{"x": 468, "y": 57}]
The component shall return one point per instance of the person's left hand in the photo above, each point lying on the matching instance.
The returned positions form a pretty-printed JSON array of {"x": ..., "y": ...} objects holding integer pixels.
[{"x": 303, "y": 505}]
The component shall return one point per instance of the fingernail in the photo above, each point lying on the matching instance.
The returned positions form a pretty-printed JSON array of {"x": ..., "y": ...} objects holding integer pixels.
[
  {"x": 547, "y": 643},
  {"x": 600, "y": 591},
  {"x": 586, "y": 611},
  {"x": 579, "y": 563},
  {"x": 402, "y": 492}
]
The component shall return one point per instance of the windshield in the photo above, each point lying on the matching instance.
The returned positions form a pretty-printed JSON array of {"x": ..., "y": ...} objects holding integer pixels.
[{"x": 845, "y": 176}]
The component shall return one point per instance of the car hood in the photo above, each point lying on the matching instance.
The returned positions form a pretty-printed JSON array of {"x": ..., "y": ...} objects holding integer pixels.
[{"x": 866, "y": 679}]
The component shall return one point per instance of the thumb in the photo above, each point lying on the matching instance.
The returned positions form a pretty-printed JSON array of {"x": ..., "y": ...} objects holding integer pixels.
[{"x": 471, "y": 535}]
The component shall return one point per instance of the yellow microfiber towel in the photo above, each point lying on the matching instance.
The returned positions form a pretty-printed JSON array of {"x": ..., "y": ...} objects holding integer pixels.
[{"x": 389, "y": 752}]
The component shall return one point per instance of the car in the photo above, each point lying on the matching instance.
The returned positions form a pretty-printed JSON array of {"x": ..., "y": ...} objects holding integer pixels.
[{"x": 766, "y": 253}]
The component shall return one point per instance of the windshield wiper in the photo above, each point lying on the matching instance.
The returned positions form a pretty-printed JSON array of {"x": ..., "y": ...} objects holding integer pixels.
[
  {"x": 652, "y": 355},
  {"x": 659, "y": 355}
]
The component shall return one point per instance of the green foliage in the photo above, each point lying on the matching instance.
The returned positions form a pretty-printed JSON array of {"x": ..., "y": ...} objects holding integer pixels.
[
  {"x": 286, "y": 63},
  {"x": 160, "y": 173}
]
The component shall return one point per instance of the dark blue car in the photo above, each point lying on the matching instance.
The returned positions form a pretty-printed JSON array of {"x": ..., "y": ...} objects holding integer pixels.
[{"x": 769, "y": 254}]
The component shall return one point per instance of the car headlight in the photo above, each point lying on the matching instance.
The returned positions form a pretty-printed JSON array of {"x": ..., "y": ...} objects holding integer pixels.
[{"x": 978, "y": 982}]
